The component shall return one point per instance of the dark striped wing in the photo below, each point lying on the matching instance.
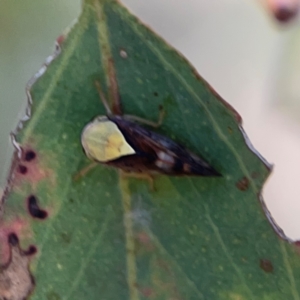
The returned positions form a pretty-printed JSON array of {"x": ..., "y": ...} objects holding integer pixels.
[{"x": 157, "y": 153}]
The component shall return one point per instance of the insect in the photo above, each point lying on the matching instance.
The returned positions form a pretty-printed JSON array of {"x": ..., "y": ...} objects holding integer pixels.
[{"x": 120, "y": 142}]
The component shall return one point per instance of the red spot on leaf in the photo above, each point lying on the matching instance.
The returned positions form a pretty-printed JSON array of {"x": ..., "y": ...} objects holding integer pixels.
[{"x": 243, "y": 184}]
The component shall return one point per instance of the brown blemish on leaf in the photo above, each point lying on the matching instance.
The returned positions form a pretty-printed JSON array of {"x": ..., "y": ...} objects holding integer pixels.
[
  {"x": 34, "y": 210},
  {"x": 243, "y": 184},
  {"x": 22, "y": 169},
  {"x": 266, "y": 265},
  {"x": 229, "y": 129},
  {"x": 16, "y": 282}
]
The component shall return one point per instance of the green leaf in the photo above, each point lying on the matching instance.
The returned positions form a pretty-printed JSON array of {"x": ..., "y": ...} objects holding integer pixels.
[{"x": 109, "y": 237}]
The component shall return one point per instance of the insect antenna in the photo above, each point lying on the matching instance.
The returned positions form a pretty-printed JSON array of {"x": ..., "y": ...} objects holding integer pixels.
[{"x": 102, "y": 97}]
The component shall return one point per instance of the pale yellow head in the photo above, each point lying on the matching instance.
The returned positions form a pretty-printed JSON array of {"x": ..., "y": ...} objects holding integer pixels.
[{"x": 103, "y": 141}]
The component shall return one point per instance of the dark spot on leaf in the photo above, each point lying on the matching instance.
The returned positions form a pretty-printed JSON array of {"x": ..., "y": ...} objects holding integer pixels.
[
  {"x": 155, "y": 94},
  {"x": 22, "y": 169},
  {"x": 266, "y": 265},
  {"x": 229, "y": 129},
  {"x": 34, "y": 209},
  {"x": 31, "y": 250},
  {"x": 285, "y": 13},
  {"x": 243, "y": 184},
  {"x": 29, "y": 155},
  {"x": 71, "y": 200},
  {"x": 13, "y": 239}
]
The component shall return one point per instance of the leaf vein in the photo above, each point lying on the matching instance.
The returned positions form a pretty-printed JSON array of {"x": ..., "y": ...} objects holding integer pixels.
[
  {"x": 226, "y": 252},
  {"x": 129, "y": 236},
  {"x": 85, "y": 261},
  {"x": 290, "y": 273}
]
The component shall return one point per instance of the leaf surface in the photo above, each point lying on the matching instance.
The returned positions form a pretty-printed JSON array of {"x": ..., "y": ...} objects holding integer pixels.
[{"x": 109, "y": 237}]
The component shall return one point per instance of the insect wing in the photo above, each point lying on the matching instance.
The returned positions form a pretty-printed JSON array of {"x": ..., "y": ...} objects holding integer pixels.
[{"x": 155, "y": 152}]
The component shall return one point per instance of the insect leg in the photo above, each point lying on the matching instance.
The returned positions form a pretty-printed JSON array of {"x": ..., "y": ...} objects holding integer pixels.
[
  {"x": 84, "y": 171},
  {"x": 102, "y": 97},
  {"x": 144, "y": 176},
  {"x": 147, "y": 122}
]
